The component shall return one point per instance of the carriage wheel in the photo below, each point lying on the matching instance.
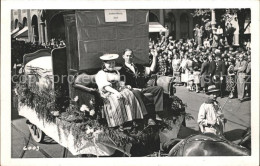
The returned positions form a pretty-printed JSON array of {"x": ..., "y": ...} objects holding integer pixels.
[{"x": 37, "y": 134}]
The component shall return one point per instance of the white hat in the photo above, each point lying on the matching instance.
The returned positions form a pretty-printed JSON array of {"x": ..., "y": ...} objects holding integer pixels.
[
  {"x": 212, "y": 88},
  {"x": 108, "y": 57}
]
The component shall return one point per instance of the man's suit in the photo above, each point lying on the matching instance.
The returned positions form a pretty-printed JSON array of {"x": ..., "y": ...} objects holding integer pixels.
[
  {"x": 139, "y": 80},
  {"x": 211, "y": 71},
  {"x": 220, "y": 72}
]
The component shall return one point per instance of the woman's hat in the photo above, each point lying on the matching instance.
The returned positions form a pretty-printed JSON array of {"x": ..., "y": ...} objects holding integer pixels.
[
  {"x": 212, "y": 88},
  {"x": 108, "y": 57}
]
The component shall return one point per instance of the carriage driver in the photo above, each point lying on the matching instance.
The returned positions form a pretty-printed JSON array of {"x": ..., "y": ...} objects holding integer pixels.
[{"x": 210, "y": 117}]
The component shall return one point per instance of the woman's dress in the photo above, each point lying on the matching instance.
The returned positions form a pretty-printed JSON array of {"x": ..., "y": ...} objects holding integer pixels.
[
  {"x": 175, "y": 67},
  {"x": 230, "y": 83},
  {"x": 118, "y": 111}
]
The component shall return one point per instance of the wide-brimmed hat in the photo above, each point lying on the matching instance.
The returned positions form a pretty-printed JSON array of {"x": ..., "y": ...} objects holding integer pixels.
[
  {"x": 212, "y": 89},
  {"x": 108, "y": 57}
]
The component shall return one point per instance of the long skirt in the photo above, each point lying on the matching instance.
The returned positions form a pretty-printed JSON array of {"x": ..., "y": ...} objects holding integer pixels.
[
  {"x": 196, "y": 77},
  {"x": 230, "y": 83},
  {"x": 119, "y": 111}
]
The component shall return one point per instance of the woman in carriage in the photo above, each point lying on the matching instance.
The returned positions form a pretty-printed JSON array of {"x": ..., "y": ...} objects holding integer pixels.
[{"x": 120, "y": 103}]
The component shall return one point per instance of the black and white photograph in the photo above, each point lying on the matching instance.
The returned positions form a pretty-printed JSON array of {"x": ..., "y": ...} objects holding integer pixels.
[{"x": 131, "y": 84}]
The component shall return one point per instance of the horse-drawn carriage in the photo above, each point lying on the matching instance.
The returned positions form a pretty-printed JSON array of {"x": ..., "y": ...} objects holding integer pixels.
[{"x": 58, "y": 95}]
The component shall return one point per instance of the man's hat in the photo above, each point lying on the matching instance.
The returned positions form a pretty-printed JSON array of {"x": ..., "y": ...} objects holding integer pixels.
[
  {"x": 108, "y": 57},
  {"x": 212, "y": 89}
]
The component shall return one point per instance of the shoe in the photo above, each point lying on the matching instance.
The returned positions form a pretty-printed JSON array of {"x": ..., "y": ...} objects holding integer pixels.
[
  {"x": 157, "y": 117},
  {"x": 151, "y": 122}
]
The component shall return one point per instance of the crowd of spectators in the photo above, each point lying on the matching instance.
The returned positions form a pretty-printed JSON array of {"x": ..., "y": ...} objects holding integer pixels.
[{"x": 197, "y": 64}]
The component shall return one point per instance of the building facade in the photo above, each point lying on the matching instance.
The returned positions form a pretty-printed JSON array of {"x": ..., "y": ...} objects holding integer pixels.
[
  {"x": 179, "y": 21},
  {"x": 39, "y": 25}
]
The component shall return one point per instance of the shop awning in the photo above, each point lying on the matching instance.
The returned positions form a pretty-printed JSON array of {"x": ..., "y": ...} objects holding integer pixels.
[
  {"x": 14, "y": 31},
  {"x": 23, "y": 33},
  {"x": 156, "y": 27}
]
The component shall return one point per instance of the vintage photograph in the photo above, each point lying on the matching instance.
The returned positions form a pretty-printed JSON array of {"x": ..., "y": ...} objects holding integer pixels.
[{"x": 130, "y": 82}]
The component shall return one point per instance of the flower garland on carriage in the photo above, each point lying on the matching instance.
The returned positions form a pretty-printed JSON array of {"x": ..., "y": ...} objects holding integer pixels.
[{"x": 85, "y": 122}]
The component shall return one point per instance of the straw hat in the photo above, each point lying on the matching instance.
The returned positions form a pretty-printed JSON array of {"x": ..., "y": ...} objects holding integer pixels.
[
  {"x": 212, "y": 88},
  {"x": 108, "y": 57}
]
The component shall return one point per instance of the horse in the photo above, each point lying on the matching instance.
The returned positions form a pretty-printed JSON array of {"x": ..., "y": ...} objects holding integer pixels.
[{"x": 207, "y": 144}]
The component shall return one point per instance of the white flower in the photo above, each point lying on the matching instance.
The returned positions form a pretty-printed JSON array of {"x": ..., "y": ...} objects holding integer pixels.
[
  {"x": 89, "y": 130},
  {"x": 84, "y": 108},
  {"x": 76, "y": 98},
  {"x": 15, "y": 91},
  {"x": 91, "y": 102},
  {"x": 92, "y": 112},
  {"x": 55, "y": 113}
]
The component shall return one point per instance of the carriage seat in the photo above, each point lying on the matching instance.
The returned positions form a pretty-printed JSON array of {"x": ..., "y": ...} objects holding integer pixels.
[{"x": 86, "y": 83}]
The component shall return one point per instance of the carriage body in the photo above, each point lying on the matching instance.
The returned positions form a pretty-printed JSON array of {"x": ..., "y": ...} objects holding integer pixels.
[{"x": 88, "y": 36}]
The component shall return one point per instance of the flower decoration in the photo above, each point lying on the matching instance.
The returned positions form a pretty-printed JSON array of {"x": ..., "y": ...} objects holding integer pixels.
[
  {"x": 89, "y": 130},
  {"x": 76, "y": 99},
  {"x": 15, "y": 91},
  {"x": 84, "y": 108},
  {"x": 91, "y": 112}
]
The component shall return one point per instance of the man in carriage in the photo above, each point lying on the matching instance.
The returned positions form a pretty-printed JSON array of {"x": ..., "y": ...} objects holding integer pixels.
[{"x": 137, "y": 76}]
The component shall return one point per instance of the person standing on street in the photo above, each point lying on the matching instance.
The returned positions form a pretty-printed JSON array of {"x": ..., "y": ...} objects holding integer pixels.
[
  {"x": 211, "y": 70},
  {"x": 204, "y": 73},
  {"x": 240, "y": 68},
  {"x": 210, "y": 116},
  {"x": 219, "y": 76}
]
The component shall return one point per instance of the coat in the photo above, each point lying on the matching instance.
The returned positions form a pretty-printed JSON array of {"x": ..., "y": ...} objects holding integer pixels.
[
  {"x": 137, "y": 79},
  {"x": 220, "y": 68}
]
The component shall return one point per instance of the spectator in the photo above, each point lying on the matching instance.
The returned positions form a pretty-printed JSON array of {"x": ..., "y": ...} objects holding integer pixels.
[
  {"x": 219, "y": 32},
  {"x": 240, "y": 68},
  {"x": 248, "y": 76},
  {"x": 204, "y": 73},
  {"x": 220, "y": 75},
  {"x": 184, "y": 70},
  {"x": 200, "y": 34},
  {"x": 211, "y": 69},
  {"x": 176, "y": 62},
  {"x": 230, "y": 81},
  {"x": 196, "y": 31},
  {"x": 196, "y": 66}
]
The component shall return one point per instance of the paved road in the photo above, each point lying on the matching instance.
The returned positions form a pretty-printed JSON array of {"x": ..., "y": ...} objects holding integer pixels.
[{"x": 238, "y": 115}]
